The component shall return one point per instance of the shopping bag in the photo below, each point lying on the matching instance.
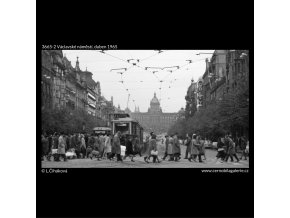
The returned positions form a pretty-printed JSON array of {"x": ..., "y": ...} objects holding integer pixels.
[{"x": 123, "y": 149}]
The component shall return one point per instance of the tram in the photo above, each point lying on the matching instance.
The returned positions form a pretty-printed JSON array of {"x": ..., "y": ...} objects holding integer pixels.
[
  {"x": 128, "y": 127},
  {"x": 102, "y": 130}
]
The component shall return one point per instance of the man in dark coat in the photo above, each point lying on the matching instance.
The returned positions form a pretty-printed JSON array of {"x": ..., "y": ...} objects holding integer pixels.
[
  {"x": 86, "y": 138},
  {"x": 187, "y": 144},
  {"x": 176, "y": 148},
  {"x": 243, "y": 145},
  {"x": 129, "y": 149},
  {"x": 68, "y": 142},
  {"x": 73, "y": 141},
  {"x": 55, "y": 141},
  {"x": 231, "y": 150}
]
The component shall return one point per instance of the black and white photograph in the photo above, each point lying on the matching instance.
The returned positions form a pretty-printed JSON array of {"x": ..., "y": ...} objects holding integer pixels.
[{"x": 115, "y": 108}]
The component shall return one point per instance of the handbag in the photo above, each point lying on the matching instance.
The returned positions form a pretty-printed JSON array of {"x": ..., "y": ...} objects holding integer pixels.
[{"x": 154, "y": 152}]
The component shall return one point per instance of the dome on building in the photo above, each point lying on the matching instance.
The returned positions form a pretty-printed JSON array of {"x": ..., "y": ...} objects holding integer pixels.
[
  {"x": 154, "y": 100},
  {"x": 154, "y": 105}
]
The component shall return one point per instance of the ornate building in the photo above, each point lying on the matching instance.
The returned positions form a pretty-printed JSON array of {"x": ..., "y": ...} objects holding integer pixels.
[
  {"x": 154, "y": 120},
  {"x": 65, "y": 86},
  {"x": 226, "y": 72}
]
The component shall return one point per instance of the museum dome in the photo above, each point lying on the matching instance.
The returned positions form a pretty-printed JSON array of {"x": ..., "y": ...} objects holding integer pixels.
[{"x": 154, "y": 100}]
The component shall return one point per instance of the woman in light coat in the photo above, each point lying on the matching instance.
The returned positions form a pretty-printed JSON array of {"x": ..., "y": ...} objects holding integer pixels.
[
  {"x": 194, "y": 149},
  {"x": 102, "y": 145},
  {"x": 61, "y": 148},
  {"x": 83, "y": 146},
  {"x": 108, "y": 146}
]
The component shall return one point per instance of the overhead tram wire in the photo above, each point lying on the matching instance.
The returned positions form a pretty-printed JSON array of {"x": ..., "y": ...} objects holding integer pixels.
[{"x": 190, "y": 62}]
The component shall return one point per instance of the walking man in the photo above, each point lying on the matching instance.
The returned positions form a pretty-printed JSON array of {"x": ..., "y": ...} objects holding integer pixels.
[
  {"x": 166, "y": 147},
  {"x": 187, "y": 144},
  {"x": 231, "y": 152}
]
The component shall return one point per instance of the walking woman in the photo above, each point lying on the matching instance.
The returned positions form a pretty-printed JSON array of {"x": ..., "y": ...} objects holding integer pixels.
[
  {"x": 108, "y": 145},
  {"x": 153, "y": 147},
  {"x": 61, "y": 148},
  {"x": 102, "y": 145},
  {"x": 195, "y": 149}
]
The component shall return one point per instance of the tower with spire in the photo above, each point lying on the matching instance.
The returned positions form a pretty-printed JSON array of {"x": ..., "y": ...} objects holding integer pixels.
[{"x": 78, "y": 65}]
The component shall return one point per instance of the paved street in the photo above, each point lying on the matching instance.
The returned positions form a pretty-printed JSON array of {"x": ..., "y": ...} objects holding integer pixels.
[{"x": 139, "y": 162}]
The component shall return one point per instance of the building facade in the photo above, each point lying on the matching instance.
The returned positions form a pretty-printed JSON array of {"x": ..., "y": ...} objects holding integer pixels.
[
  {"x": 227, "y": 72},
  {"x": 65, "y": 86},
  {"x": 154, "y": 120}
]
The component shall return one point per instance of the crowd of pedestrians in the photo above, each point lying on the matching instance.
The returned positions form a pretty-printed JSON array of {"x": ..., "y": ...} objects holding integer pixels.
[
  {"x": 102, "y": 146},
  {"x": 109, "y": 147}
]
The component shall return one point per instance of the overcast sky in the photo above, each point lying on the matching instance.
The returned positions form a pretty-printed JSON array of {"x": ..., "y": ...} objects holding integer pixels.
[{"x": 141, "y": 83}]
